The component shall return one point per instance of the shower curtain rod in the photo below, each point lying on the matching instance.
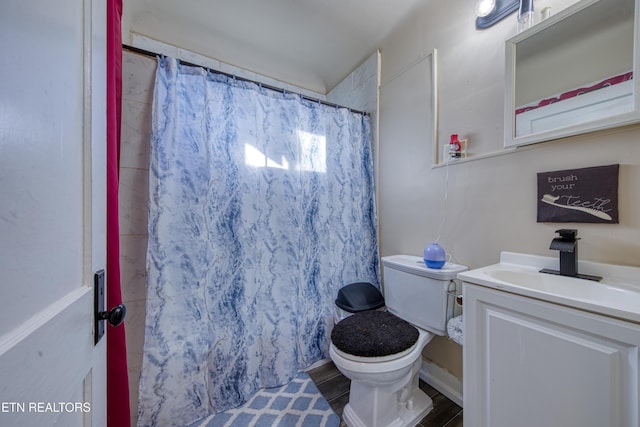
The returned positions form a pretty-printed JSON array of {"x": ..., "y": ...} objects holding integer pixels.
[{"x": 266, "y": 86}]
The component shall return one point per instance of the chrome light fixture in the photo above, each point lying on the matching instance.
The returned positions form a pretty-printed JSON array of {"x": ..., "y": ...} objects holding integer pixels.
[{"x": 490, "y": 12}]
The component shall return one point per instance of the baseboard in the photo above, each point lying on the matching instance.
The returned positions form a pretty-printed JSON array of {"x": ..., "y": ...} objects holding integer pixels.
[
  {"x": 317, "y": 364},
  {"x": 446, "y": 383}
]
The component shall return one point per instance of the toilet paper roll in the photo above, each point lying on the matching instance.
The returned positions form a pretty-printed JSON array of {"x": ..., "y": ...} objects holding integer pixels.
[{"x": 455, "y": 329}]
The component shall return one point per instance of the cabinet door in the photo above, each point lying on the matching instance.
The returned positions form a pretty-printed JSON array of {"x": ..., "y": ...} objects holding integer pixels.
[{"x": 533, "y": 363}]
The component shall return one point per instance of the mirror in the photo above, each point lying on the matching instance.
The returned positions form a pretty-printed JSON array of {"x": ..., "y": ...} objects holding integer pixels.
[{"x": 573, "y": 73}]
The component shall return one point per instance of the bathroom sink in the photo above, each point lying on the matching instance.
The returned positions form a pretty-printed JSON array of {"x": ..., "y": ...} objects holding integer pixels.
[
  {"x": 578, "y": 288},
  {"x": 617, "y": 295}
]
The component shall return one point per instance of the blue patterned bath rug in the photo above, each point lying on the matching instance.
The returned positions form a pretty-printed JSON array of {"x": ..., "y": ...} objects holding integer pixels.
[{"x": 297, "y": 404}]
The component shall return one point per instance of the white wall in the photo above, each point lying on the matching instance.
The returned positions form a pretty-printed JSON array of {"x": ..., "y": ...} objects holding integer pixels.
[{"x": 491, "y": 202}]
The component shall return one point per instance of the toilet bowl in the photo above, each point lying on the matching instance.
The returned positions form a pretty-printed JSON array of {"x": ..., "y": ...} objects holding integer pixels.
[{"x": 384, "y": 389}]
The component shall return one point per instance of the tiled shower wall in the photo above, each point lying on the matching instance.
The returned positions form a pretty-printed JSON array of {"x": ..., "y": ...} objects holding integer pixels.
[
  {"x": 358, "y": 90},
  {"x": 138, "y": 75}
]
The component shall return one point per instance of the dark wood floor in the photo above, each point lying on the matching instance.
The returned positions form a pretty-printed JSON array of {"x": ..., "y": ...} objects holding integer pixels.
[{"x": 335, "y": 388}]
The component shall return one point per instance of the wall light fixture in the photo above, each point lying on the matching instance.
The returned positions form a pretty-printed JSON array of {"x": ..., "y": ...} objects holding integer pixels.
[
  {"x": 491, "y": 12},
  {"x": 485, "y": 7}
]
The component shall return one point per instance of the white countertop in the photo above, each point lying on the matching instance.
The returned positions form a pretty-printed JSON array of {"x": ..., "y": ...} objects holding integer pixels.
[{"x": 617, "y": 295}]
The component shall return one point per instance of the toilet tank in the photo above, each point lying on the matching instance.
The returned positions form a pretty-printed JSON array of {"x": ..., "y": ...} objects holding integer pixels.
[{"x": 420, "y": 295}]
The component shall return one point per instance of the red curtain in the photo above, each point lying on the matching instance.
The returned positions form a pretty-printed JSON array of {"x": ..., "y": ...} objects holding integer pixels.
[{"x": 118, "y": 411}]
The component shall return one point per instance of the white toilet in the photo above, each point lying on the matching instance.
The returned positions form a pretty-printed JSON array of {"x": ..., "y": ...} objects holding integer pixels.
[{"x": 384, "y": 388}]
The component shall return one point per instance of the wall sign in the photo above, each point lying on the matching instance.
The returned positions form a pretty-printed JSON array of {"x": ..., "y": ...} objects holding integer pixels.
[{"x": 579, "y": 195}]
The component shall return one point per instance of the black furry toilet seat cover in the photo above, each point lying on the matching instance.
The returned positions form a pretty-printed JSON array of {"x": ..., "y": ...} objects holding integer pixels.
[{"x": 373, "y": 334}]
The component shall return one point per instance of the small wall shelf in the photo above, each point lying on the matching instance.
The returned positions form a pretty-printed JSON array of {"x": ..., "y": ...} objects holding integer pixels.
[{"x": 445, "y": 156}]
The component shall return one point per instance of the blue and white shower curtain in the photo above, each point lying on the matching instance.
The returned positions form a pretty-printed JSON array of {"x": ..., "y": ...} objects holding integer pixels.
[{"x": 261, "y": 208}]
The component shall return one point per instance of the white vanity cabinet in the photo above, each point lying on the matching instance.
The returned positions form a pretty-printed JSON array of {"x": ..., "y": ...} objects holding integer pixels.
[{"x": 533, "y": 363}]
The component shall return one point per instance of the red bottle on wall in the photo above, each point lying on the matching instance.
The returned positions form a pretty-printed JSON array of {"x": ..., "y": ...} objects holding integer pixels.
[{"x": 455, "y": 147}]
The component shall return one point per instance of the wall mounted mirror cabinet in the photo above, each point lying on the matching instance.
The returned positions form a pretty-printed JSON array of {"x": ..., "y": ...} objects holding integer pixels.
[{"x": 573, "y": 73}]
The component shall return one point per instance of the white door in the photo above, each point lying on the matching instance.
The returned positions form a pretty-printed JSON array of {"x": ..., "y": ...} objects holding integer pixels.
[{"x": 52, "y": 211}]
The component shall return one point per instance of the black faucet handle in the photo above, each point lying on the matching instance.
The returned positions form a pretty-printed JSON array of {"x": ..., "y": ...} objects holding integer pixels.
[{"x": 568, "y": 233}]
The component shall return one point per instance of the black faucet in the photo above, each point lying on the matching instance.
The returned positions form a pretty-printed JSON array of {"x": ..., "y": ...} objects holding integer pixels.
[{"x": 567, "y": 244}]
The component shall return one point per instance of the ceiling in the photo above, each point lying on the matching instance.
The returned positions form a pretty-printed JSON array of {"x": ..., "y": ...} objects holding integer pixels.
[{"x": 313, "y": 44}]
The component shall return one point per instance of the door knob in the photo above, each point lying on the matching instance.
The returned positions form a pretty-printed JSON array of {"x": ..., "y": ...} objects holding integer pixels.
[{"x": 115, "y": 316}]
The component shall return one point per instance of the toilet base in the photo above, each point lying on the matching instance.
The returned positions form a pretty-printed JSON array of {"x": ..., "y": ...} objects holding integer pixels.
[{"x": 409, "y": 415}]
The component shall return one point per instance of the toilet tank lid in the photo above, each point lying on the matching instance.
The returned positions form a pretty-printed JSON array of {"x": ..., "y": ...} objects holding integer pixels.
[
  {"x": 360, "y": 296},
  {"x": 415, "y": 265}
]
